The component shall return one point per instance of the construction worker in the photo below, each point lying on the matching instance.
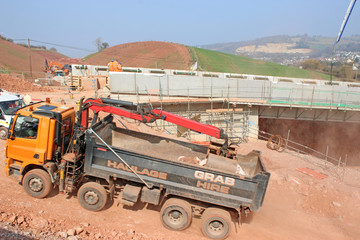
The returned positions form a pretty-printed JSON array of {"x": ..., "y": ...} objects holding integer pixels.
[
  {"x": 111, "y": 66},
  {"x": 119, "y": 67},
  {"x": 115, "y": 66}
]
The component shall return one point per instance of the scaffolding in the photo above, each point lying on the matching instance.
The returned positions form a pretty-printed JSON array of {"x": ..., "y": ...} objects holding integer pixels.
[{"x": 234, "y": 123}]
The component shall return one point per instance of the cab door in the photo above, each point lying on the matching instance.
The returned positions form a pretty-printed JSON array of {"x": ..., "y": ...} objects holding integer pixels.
[{"x": 24, "y": 140}]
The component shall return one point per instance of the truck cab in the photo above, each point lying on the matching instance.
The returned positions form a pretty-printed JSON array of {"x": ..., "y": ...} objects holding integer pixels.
[
  {"x": 39, "y": 134},
  {"x": 9, "y": 104}
]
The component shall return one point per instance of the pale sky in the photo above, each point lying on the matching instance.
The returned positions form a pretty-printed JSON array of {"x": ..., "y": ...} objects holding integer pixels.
[{"x": 189, "y": 22}]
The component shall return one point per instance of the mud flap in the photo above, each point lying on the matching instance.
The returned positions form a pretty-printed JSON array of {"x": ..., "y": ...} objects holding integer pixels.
[
  {"x": 150, "y": 196},
  {"x": 130, "y": 194}
]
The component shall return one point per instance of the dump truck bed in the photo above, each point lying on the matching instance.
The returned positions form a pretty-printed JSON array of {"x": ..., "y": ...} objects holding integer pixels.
[{"x": 160, "y": 162}]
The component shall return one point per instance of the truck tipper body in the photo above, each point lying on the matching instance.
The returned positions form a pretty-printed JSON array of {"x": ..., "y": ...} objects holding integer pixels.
[
  {"x": 158, "y": 161},
  {"x": 101, "y": 161}
]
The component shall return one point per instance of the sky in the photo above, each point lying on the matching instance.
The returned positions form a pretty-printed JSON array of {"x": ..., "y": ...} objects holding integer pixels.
[{"x": 78, "y": 23}]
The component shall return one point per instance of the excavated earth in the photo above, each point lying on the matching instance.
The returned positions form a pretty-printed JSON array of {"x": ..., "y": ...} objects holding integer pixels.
[
  {"x": 296, "y": 206},
  {"x": 17, "y": 85}
]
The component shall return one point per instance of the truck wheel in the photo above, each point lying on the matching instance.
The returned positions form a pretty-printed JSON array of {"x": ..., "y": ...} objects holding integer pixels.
[
  {"x": 176, "y": 214},
  {"x": 92, "y": 196},
  {"x": 3, "y": 133},
  {"x": 37, "y": 183},
  {"x": 216, "y": 223}
]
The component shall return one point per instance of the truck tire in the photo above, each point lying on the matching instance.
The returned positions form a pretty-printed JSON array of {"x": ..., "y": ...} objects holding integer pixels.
[
  {"x": 37, "y": 183},
  {"x": 3, "y": 133},
  {"x": 92, "y": 196},
  {"x": 216, "y": 223},
  {"x": 176, "y": 214}
]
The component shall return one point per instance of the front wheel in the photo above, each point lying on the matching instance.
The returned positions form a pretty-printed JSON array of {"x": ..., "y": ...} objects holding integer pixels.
[
  {"x": 3, "y": 133},
  {"x": 92, "y": 196},
  {"x": 37, "y": 183},
  {"x": 216, "y": 223}
]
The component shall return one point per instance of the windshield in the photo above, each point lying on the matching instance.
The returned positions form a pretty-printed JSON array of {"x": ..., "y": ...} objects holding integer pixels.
[
  {"x": 10, "y": 107},
  {"x": 26, "y": 127}
]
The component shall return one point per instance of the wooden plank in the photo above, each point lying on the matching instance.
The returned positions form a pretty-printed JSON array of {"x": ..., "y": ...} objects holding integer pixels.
[
  {"x": 311, "y": 173},
  {"x": 223, "y": 110}
]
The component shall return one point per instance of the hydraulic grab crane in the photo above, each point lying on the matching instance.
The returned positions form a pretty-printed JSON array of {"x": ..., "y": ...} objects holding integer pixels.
[{"x": 146, "y": 114}]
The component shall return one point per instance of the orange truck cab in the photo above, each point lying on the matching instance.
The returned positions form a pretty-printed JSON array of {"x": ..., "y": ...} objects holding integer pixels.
[{"x": 39, "y": 134}]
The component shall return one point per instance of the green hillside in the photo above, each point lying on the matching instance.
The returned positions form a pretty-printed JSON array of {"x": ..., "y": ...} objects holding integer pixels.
[{"x": 213, "y": 61}]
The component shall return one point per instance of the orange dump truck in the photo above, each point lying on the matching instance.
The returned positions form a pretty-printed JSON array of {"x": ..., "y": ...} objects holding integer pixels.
[{"x": 51, "y": 145}]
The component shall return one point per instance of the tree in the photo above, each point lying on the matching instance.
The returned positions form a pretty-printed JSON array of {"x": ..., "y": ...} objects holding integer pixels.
[
  {"x": 98, "y": 43},
  {"x": 312, "y": 64},
  {"x": 104, "y": 45},
  {"x": 101, "y": 45},
  {"x": 346, "y": 72}
]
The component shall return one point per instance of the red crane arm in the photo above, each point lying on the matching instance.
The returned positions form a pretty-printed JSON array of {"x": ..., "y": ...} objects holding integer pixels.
[
  {"x": 188, "y": 123},
  {"x": 146, "y": 115}
]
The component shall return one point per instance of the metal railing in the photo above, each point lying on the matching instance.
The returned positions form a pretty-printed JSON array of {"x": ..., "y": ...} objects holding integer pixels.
[{"x": 348, "y": 99}]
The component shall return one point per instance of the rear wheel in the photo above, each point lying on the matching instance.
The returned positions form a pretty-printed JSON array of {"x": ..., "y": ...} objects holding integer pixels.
[
  {"x": 37, "y": 183},
  {"x": 3, "y": 133},
  {"x": 176, "y": 214},
  {"x": 92, "y": 196},
  {"x": 216, "y": 223}
]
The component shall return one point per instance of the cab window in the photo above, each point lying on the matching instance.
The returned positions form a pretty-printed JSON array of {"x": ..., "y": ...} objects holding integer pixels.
[
  {"x": 10, "y": 107},
  {"x": 26, "y": 127}
]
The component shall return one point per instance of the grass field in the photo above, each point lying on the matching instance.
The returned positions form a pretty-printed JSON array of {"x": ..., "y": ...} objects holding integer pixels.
[{"x": 222, "y": 62}]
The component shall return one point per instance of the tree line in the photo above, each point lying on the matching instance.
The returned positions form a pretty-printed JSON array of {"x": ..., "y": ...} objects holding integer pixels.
[{"x": 342, "y": 71}]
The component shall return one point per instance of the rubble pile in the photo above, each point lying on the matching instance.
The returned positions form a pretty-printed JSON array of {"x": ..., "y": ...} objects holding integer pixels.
[{"x": 17, "y": 226}]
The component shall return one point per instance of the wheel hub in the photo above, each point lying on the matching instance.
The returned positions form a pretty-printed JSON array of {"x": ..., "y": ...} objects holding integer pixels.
[
  {"x": 91, "y": 198},
  {"x": 36, "y": 185},
  {"x": 216, "y": 226},
  {"x": 175, "y": 216}
]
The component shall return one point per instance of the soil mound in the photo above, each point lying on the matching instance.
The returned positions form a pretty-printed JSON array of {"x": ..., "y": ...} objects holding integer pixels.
[
  {"x": 14, "y": 84},
  {"x": 16, "y": 58},
  {"x": 151, "y": 54}
]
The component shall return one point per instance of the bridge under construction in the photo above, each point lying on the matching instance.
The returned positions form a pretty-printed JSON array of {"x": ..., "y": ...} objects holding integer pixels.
[{"x": 244, "y": 105}]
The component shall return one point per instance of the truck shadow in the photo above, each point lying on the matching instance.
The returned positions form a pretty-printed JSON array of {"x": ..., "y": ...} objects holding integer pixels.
[
  {"x": 54, "y": 193},
  {"x": 109, "y": 204},
  {"x": 139, "y": 206},
  {"x": 247, "y": 219}
]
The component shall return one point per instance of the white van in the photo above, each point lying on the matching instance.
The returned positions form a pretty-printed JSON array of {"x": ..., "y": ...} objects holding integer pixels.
[{"x": 9, "y": 104}]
